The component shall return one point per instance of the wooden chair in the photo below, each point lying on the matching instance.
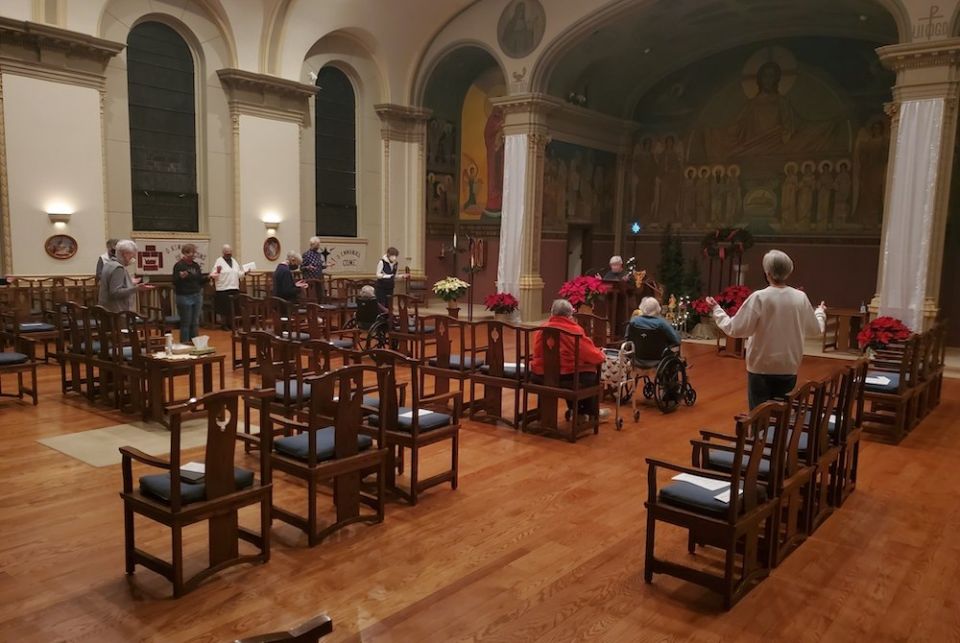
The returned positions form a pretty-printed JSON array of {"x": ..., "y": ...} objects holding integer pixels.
[
  {"x": 162, "y": 308},
  {"x": 329, "y": 446},
  {"x": 217, "y": 498},
  {"x": 410, "y": 333},
  {"x": 826, "y": 452},
  {"x": 504, "y": 367},
  {"x": 743, "y": 528},
  {"x": 310, "y": 632},
  {"x": 847, "y": 429},
  {"x": 320, "y": 323},
  {"x": 249, "y": 315},
  {"x": 553, "y": 386},
  {"x": 75, "y": 350},
  {"x": 279, "y": 370},
  {"x": 940, "y": 357},
  {"x": 19, "y": 361},
  {"x": 426, "y": 421},
  {"x": 456, "y": 358},
  {"x": 890, "y": 390},
  {"x": 596, "y": 328},
  {"x": 792, "y": 482}
]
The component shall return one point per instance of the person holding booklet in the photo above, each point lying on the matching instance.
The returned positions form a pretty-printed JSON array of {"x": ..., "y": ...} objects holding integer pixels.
[
  {"x": 226, "y": 275},
  {"x": 775, "y": 321}
]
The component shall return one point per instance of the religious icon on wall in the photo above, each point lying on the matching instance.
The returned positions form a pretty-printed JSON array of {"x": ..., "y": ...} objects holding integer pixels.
[
  {"x": 520, "y": 28},
  {"x": 779, "y": 138},
  {"x": 480, "y": 182},
  {"x": 441, "y": 196},
  {"x": 271, "y": 248},
  {"x": 578, "y": 186},
  {"x": 60, "y": 247},
  {"x": 441, "y": 146}
]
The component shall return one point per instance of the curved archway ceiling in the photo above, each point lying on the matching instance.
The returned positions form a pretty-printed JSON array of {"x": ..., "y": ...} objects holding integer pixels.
[{"x": 619, "y": 61}]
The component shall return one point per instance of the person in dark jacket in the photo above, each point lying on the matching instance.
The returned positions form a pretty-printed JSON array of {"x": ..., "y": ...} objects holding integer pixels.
[
  {"x": 647, "y": 317},
  {"x": 387, "y": 276},
  {"x": 312, "y": 267},
  {"x": 284, "y": 285},
  {"x": 188, "y": 281}
]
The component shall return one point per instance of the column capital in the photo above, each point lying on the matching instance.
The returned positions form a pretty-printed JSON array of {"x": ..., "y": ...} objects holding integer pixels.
[
  {"x": 266, "y": 96},
  {"x": 402, "y": 122},
  {"x": 924, "y": 70}
]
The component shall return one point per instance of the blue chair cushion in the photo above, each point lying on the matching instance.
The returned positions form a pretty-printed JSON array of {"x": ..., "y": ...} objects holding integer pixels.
[
  {"x": 428, "y": 420},
  {"x": 297, "y": 392},
  {"x": 802, "y": 446},
  {"x": 299, "y": 336},
  {"x": 95, "y": 347},
  {"x": 691, "y": 497},
  {"x": 36, "y": 327},
  {"x": 509, "y": 370},
  {"x": 9, "y": 359},
  {"x": 158, "y": 486},
  {"x": 892, "y": 387},
  {"x": 723, "y": 461},
  {"x": 427, "y": 330},
  {"x": 342, "y": 343},
  {"x": 468, "y": 362},
  {"x": 298, "y": 446}
]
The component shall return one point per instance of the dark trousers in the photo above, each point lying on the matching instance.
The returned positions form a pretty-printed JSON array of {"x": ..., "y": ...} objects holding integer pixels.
[
  {"x": 223, "y": 304},
  {"x": 384, "y": 294},
  {"x": 763, "y": 388},
  {"x": 589, "y": 406}
]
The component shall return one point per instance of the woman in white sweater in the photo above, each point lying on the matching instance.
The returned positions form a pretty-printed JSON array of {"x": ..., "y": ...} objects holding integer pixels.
[{"x": 775, "y": 321}]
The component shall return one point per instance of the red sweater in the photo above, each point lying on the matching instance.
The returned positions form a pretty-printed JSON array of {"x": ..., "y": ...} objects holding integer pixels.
[{"x": 590, "y": 355}]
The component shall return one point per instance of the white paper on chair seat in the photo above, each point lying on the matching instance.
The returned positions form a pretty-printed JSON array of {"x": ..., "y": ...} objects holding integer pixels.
[
  {"x": 878, "y": 379},
  {"x": 700, "y": 481},
  {"x": 509, "y": 364},
  {"x": 194, "y": 467},
  {"x": 420, "y": 413},
  {"x": 725, "y": 496},
  {"x": 247, "y": 267}
]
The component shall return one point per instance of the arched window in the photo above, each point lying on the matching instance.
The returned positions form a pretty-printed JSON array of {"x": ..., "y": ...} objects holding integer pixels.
[
  {"x": 336, "y": 155},
  {"x": 163, "y": 136}
]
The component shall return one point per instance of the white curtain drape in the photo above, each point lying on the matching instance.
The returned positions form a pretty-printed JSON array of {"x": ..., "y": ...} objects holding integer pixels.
[
  {"x": 906, "y": 247},
  {"x": 512, "y": 214}
]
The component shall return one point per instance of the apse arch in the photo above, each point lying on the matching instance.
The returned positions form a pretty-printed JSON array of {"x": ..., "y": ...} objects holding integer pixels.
[{"x": 428, "y": 68}]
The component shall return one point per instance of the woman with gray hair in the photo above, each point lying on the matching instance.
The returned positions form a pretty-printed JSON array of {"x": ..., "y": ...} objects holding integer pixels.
[
  {"x": 312, "y": 267},
  {"x": 284, "y": 285},
  {"x": 647, "y": 317},
  {"x": 775, "y": 321},
  {"x": 118, "y": 290}
]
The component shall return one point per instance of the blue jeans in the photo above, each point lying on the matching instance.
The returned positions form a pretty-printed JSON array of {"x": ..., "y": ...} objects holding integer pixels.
[
  {"x": 763, "y": 388},
  {"x": 188, "y": 308}
]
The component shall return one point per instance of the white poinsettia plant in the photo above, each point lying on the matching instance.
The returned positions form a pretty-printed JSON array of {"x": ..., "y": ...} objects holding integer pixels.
[{"x": 450, "y": 289}]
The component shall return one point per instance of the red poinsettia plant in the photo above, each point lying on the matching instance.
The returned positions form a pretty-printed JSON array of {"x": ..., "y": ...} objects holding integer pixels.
[
  {"x": 501, "y": 303},
  {"x": 882, "y": 332},
  {"x": 730, "y": 299},
  {"x": 581, "y": 291}
]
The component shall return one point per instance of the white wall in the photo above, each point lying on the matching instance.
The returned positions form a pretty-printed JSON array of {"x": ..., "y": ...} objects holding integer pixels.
[
  {"x": 54, "y": 154},
  {"x": 269, "y": 183}
]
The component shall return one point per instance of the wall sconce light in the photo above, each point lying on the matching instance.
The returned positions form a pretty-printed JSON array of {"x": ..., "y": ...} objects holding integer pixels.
[
  {"x": 59, "y": 214},
  {"x": 271, "y": 221}
]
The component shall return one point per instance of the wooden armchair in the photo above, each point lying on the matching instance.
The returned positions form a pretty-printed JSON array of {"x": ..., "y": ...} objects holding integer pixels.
[
  {"x": 597, "y": 329},
  {"x": 75, "y": 350},
  {"x": 216, "y": 498},
  {"x": 162, "y": 307},
  {"x": 847, "y": 429},
  {"x": 553, "y": 386},
  {"x": 320, "y": 325},
  {"x": 743, "y": 526},
  {"x": 890, "y": 392},
  {"x": 826, "y": 451},
  {"x": 329, "y": 446},
  {"x": 310, "y": 632},
  {"x": 249, "y": 315},
  {"x": 426, "y": 421},
  {"x": 280, "y": 370},
  {"x": 504, "y": 367},
  {"x": 457, "y": 358},
  {"x": 19, "y": 361},
  {"x": 410, "y": 333}
]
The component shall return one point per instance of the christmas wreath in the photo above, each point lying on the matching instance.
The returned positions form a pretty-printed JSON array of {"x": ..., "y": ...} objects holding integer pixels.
[{"x": 724, "y": 241}]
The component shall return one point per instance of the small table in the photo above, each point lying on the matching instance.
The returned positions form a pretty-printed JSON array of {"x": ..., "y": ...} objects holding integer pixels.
[
  {"x": 161, "y": 370},
  {"x": 842, "y": 326}
]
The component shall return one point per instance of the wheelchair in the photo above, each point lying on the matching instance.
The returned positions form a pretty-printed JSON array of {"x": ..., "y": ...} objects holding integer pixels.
[
  {"x": 647, "y": 361},
  {"x": 375, "y": 325}
]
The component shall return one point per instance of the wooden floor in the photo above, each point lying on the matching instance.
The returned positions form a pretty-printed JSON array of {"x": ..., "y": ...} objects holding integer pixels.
[{"x": 543, "y": 541}]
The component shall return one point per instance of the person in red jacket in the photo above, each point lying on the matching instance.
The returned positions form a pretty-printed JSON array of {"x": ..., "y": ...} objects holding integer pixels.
[{"x": 561, "y": 316}]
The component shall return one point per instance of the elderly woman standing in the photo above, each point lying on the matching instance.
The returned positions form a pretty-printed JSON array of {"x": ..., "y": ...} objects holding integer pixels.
[
  {"x": 226, "y": 275},
  {"x": 312, "y": 267},
  {"x": 775, "y": 320},
  {"x": 118, "y": 290},
  {"x": 188, "y": 283}
]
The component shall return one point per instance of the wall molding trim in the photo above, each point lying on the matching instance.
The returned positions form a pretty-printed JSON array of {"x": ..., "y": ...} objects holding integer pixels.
[
  {"x": 917, "y": 55},
  {"x": 402, "y": 122},
  {"x": 266, "y": 96}
]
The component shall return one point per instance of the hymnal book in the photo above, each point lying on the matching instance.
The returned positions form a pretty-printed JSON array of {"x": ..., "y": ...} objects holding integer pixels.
[
  {"x": 193, "y": 472},
  {"x": 420, "y": 413},
  {"x": 706, "y": 483}
]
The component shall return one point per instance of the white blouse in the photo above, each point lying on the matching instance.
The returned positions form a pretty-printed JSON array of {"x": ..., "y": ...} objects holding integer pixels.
[{"x": 229, "y": 277}]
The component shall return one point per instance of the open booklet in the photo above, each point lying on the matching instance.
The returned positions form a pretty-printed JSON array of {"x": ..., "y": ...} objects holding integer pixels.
[{"x": 710, "y": 484}]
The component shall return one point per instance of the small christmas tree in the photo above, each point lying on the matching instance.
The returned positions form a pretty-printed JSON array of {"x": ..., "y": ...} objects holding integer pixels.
[
  {"x": 670, "y": 271},
  {"x": 692, "y": 287}
]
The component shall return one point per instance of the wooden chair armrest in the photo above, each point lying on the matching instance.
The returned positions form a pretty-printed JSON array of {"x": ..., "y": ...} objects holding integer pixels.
[
  {"x": 706, "y": 435},
  {"x": 696, "y": 471},
  {"x": 145, "y": 458},
  {"x": 705, "y": 444}
]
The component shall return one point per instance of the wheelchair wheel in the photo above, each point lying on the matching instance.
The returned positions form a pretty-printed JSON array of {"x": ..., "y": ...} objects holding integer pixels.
[
  {"x": 689, "y": 396},
  {"x": 670, "y": 383},
  {"x": 649, "y": 389},
  {"x": 351, "y": 324},
  {"x": 376, "y": 336}
]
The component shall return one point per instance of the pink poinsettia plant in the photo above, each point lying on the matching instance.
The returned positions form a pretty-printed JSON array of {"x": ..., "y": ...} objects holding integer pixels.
[
  {"x": 882, "y": 332},
  {"x": 501, "y": 303},
  {"x": 582, "y": 291}
]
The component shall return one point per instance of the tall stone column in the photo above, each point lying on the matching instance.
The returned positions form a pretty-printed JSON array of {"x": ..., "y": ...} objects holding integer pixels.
[
  {"x": 403, "y": 135},
  {"x": 525, "y": 140},
  {"x": 922, "y": 134}
]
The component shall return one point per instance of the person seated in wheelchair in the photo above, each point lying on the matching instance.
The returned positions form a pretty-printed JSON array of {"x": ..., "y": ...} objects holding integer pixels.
[
  {"x": 369, "y": 309},
  {"x": 650, "y": 333}
]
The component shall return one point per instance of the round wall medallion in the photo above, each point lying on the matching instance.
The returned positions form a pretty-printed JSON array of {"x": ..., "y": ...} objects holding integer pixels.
[
  {"x": 521, "y": 27},
  {"x": 271, "y": 248},
  {"x": 60, "y": 246}
]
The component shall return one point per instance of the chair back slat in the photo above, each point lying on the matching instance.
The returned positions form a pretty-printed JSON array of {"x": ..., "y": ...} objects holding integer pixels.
[{"x": 753, "y": 431}]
